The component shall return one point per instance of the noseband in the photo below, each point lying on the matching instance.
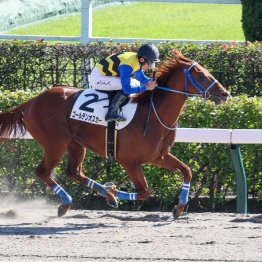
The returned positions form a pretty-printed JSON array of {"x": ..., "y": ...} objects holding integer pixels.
[{"x": 202, "y": 91}]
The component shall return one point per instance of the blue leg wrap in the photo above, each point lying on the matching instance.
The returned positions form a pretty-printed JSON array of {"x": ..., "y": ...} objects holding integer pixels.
[
  {"x": 96, "y": 187},
  {"x": 66, "y": 199},
  {"x": 126, "y": 196},
  {"x": 183, "y": 198}
]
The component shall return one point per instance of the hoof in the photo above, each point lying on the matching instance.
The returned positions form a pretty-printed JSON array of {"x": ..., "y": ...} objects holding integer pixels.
[
  {"x": 62, "y": 210},
  {"x": 111, "y": 200},
  {"x": 177, "y": 211}
]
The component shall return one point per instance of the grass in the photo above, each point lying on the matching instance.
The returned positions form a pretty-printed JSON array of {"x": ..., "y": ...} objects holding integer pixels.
[{"x": 151, "y": 20}]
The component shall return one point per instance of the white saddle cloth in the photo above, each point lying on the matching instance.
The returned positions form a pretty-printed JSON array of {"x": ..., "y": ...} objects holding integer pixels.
[{"x": 91, "y": 107}]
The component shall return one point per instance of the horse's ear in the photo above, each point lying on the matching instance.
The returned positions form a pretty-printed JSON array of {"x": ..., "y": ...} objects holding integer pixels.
[
  {"x": 180, "y": 57},
  {"x": 177, "y": 53}
]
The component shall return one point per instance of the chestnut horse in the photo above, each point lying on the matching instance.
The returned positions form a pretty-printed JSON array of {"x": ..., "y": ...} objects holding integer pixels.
[{"x": 46, "y": 117}]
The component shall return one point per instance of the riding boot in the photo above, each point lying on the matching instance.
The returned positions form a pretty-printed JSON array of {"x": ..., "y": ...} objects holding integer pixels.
[{"x": 112, "y": 114}]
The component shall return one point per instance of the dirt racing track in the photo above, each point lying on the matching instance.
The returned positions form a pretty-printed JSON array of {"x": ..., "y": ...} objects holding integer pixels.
[{"x": 32, "y": 232}]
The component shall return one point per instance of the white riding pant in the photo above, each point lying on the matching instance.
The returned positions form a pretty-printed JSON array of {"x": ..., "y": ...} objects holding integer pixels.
[{"x": 108, "y": 83}]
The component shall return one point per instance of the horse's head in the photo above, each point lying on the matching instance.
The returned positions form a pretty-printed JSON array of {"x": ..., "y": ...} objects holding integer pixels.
[
  {"x": 199, "y": 80},
  {"x": 186, "y": 77}
]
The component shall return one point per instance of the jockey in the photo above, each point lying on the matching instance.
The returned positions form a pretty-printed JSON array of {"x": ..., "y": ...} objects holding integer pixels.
[{"x": 116, "y": 72}]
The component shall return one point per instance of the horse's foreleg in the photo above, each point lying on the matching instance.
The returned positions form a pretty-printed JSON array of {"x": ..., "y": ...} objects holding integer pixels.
[
  {"x": 136, "y": 173},
  {"x": 171, "y": 163},
  {"x": 76, "y": 155}
]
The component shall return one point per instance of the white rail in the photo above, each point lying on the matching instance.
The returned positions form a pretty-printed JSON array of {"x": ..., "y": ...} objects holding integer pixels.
[
  {"x": 209, "y": 135},
  {"x": 221, "y": 136}
]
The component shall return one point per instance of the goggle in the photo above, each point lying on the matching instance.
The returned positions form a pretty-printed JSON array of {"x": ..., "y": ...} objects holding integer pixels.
[{"x": 152, "y": 64}]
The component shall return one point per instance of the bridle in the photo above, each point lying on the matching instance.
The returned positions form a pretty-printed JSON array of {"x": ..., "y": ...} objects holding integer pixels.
[{"x": 202, "y": 91}]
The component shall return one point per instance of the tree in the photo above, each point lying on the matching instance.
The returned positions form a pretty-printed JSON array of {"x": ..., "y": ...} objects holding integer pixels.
[{"x": 252, "y": 19}]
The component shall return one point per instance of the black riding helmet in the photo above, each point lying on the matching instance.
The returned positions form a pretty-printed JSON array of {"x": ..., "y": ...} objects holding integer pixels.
[{"x": 149, "y": 52}]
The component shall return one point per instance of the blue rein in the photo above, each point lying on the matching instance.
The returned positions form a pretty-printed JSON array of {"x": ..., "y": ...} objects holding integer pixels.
[{"x": 189, "y": 78}]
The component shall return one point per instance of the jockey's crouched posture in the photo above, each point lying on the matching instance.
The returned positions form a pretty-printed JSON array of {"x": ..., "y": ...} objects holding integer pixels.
[{"x": 116, "y": 72}]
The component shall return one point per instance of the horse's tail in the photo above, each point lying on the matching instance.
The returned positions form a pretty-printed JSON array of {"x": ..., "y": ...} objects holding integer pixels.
[{"x": 11, "y": 122}]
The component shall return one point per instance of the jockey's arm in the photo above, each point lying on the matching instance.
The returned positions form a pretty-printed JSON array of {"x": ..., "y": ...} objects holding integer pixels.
[
  {"x": 125, "y": 75},
  {"x": 141, "y": 77}
]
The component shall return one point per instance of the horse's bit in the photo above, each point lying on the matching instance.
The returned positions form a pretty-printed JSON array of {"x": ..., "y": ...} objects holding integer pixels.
[{"x": 203, "y": 92}]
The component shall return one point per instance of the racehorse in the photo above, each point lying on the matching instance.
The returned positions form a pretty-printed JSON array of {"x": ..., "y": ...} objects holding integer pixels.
[{"x": 46, "y": 118}]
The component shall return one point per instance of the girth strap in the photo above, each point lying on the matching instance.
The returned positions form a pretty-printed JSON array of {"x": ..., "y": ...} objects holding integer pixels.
[{"x": 111, "y": 135}]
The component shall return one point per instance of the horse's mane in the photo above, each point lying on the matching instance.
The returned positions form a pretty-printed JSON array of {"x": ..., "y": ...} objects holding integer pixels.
[{"x": 163, "y": 72}]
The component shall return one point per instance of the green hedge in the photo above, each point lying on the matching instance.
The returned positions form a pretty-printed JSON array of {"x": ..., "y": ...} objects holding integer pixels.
[
  {"x": 211, "y": 163},
  {"x": 37, "y": 65}
]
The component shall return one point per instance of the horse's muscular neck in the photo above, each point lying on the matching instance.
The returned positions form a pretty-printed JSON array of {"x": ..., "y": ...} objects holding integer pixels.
[{"x": 169, "y": 107}]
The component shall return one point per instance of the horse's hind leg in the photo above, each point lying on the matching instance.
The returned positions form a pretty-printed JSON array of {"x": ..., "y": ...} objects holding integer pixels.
[
  {"x": 76, "y": 155},
  {"x": 171, "y": 163}
]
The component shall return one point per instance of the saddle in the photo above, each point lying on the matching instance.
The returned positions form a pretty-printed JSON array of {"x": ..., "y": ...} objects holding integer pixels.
[{"x": 91, "y": 107}]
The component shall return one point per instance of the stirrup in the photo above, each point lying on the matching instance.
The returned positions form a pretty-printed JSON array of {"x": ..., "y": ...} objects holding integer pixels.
[{"x": 115, "y": 117}]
